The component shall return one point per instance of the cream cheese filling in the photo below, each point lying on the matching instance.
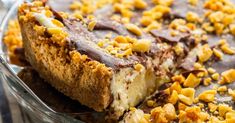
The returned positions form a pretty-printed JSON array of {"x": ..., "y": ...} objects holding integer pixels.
[{"x": 129, "y": 87}]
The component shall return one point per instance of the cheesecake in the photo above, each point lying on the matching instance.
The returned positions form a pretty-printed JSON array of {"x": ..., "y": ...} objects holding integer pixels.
[{"x": 105, "y": 64}]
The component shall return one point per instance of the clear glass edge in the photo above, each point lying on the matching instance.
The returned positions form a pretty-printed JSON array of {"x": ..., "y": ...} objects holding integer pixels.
[{"x": 18, "y": 91}]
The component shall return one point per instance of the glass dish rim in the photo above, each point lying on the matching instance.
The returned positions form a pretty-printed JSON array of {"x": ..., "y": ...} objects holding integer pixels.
[{"x": 8, "y": 73}]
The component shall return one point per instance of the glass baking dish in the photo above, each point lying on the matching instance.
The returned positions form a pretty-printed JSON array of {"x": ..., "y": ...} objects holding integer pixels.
[{"x": 32, "y": 106}]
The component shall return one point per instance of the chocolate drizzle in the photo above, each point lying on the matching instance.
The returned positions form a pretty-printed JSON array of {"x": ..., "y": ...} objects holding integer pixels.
[
  {"x": 85, "y": 43},
  {"x": 165, "y": 35}
]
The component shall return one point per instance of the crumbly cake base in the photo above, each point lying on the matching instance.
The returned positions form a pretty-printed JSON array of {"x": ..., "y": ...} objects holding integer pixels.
[{"x": 71, "y": 73}]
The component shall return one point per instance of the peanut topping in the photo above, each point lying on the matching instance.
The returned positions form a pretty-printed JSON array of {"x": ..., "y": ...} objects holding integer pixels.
[
  {"x": 207, "y": 96},
  {"x": 91, "y": 25},
  {"x": 139, "y": 67},
  {"x": 193, "y": 2},
  {"x": 226, "y": 49},
  {"x": 142, "y": 45},
  {"x": 211, "y": 70},
  {"x": 218, "y": 54},
  {"x": 223, "y": 109},
  {"x": 229, "y": 76},
  {"x": 75, "y": 5},
  {"x": 215, "y": 76},
  {"x": 170, "y": 111},
  {"x": 164, "y": 114},
  {"x": 192, "y": 81},
  {"x": 134, "y": 29},
  {"x": 207, "y": 81},
  {"x": 121, "y": 39},
  {"x": 173, "y": 98},
  {"x": 140, "y": 4},
  {"x": 220, "y": 15},
  {"x": 205, "y": 53},
  {"x": 178, "y": 78},
  {"x": 188, "y": 92},
  {"x": 192, "y": 17},
  {"x": 213, "y": 107},
  {"x": 185, "y": 100},
  {"x": 222, "y": 89},
  {"x": 232, "y": 94}
]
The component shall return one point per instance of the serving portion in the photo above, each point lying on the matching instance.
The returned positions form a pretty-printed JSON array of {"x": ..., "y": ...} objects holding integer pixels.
[{"x": 138, "y": 60}]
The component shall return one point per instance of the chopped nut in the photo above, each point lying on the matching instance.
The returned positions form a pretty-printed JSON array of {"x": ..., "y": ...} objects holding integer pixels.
[
  {"x": 192, "y": 17},
  {"x": 162, "y": 9},
  {"x": 213, "y": 107},
  {"x": 176, "y": 86},
  {"x": 159, "y": 115},
  {"x": 207, "y": 27},
  {"x": 200, "y": 74},
  {"x": 170, "y": 111},
  {"x": 217, "y": 53},
  {"x": 188, "y": 92},
  {"x": 146, "y": 20},
  {"x": 91, "y": 25},
  {"x": 190, "y": 114},
  {"x": 228, "y": 19},
  {"x": 178, "y": 49},
  {"x": 226, "y": 49},
  {"x": 207, "y": 81},
  {"x": 193, "y": 2},
  {"x": 181, "y": 106},
  {"x": 232, "y": 29},
  {"x": 132, "y": 109},
  {"x": 163, "y": 2},
  {"x": 127, "y": 52},
  {"x": 185, "y": 100},
  {"x": 204, "y": 116},
  {"x": 121, "y": 39},
  {"x": 173, "y": 98},
  {"x": 142, "y": 45},
  {"x": 78, "y": 15},
  {"x": 230, "y": 115},
  {"x": 192, "y": 81},
  {"x": 178, "y": 78},
  {"x": 139, "y": 67},
  {"x": 205, "y": 53},
  {"x": 150, "y": 103},
  {"x": 197, "y": 66},
  {"x": 126, "y": 13},
  {"x": 152, "y": 26},
  {"x": 222, "y": 42},
  {"x": 215, "y": 76},
  {"x": 134, "y": 29},
  {"x": 207, "y": 96},
  {"x": 211, "y": 70},
  {"x": 229, "y": 75},
  {"x": 223, "y": 109},
  {"x": 48, "y": 13},
  {"x": 231, "y": 93},
  {"x": 219, "y": 28},
  {"x": 222, "y": 89},
  {"x": 140, "y": 4},
  {"x": 75, "y": 5},
  {"x": 216, "y": 17}
]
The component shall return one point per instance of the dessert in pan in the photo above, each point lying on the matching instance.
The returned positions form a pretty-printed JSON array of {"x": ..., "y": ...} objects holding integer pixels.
[{"x": 138, "y": 61}]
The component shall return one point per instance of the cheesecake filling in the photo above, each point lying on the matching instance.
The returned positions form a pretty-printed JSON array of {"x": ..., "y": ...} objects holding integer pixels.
[{"x": 129, "y": 87}]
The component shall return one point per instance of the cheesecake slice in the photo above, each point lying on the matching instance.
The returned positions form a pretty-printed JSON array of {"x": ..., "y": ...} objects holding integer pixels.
[{"x": 103, "y": 64}]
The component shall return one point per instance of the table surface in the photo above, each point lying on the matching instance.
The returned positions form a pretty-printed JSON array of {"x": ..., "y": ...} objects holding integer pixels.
[{"x": 11, "y": 112}]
